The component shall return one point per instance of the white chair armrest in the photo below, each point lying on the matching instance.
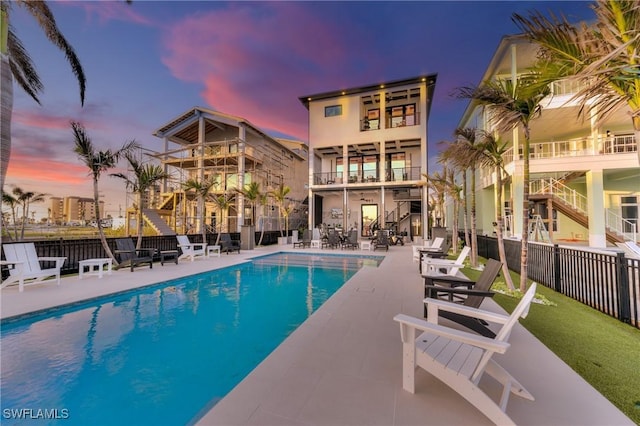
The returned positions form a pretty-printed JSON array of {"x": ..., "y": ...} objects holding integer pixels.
[
  {"x": 408, "y": 326},
  {"x": 59, "y": 260},
  {"x": 436, "y": 305}
]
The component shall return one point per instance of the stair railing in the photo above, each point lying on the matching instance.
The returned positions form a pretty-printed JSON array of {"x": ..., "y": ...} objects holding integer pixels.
[
  {"x": 560, "y": 190},
  {"x": 621, "y": 226}
]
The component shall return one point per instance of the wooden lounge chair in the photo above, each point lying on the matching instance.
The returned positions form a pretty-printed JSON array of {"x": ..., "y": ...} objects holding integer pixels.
[
  {"x": 351, "y": 241},
  {"x": 190, "y": 250},
  {"x": 24, "y": 265},
  {"x": 464, "y": 291},
  {"x": 130, "y": 256},
  {"x": 306, "y": 239},
  {"x": 381, "y": 241},
  {"x": 228, "y": 245},
  {"x": 460, "y": 359}
]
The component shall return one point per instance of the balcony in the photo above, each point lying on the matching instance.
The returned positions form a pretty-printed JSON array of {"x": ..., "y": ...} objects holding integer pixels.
[
  {"x": 618, "y": 144},
  {"x": 398, "y": 174}
]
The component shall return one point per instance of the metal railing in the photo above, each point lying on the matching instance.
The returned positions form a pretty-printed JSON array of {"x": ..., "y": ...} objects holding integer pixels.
[
  {"x": 76, "y": 250},
  {"x": 604, "y": 280},
  {"x": 621, "y": 226},
  {"x": 560, "y": 190}
]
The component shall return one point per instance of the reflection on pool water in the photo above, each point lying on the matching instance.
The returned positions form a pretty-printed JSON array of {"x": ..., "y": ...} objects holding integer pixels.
[{"x": 163, "y": 354}]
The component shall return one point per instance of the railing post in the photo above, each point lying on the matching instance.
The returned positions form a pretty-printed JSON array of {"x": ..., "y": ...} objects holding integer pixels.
[
  {"x": 624, "y": 301},
  {"x": 556, "y": 268}
]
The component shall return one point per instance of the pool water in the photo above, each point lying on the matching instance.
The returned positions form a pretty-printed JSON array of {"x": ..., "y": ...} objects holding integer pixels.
[{"x": 163, "y": 354}]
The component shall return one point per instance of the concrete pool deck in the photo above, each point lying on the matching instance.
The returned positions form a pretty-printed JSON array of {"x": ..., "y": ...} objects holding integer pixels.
[{"x": 343, "y": 365}]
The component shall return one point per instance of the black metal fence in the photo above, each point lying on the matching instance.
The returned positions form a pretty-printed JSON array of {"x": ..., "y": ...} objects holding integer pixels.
[
  {"x": 76, "y": 250},
  {"x": 604, "y": 280}
]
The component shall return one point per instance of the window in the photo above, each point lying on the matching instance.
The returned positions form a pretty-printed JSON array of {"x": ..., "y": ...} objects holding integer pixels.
[
  {"x": 402, "y": 115},
  {"x": 629, "y": 210},
  {"x": 333, "y": 110},
  {"x": 396, "y": 166}
]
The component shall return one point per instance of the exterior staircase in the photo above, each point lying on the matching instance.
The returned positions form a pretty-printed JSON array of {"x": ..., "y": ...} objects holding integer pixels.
[
  {"x": 570, "y": 203},
  {"x": 153, "y": 219}
]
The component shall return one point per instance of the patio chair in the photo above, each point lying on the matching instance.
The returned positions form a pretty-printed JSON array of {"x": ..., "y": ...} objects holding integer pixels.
[
  {"x": 132, "y": 257},
  {"x": 462, "y": 290},
  {"x": 437, "y": 242},
  {"x": 460, "y": 359},
  {"x": 351, "y": 241},
  {"x": 306, "y": 239},
  {"x": 444, "y": 265},
  {"x": 228, "y": 245},
  {"x": 26, "y": 265},
  {"x": 190, "y": 250},
  {"x": 333, "y": 240},
  {"x": 381, "y": 241}
]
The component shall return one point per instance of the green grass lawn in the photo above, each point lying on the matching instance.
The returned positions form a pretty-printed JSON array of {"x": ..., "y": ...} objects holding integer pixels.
[{"x": 603, "y": 350}]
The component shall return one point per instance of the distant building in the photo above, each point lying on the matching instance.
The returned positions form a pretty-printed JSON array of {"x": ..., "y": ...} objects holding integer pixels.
[{"x": 73, "y": 210}]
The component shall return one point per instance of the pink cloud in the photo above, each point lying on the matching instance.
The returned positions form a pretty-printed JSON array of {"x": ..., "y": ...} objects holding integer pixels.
[{"x": 255, "y": 62}]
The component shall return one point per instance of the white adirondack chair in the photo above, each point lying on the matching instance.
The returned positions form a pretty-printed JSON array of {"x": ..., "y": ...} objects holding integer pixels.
[
  {"x": 190, "y": 250},
  {"x": 24, "y": 265},
  {"x": 436, "y": 244},
  {"x": 459, "y": 358},
  {"x": 449, "y": 266}
]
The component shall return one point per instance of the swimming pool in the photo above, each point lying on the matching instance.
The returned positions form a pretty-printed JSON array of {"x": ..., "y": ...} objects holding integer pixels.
[{"x": 164, "y": 354}]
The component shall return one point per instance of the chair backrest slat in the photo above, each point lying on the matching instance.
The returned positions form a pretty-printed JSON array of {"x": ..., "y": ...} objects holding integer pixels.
[
  {"x": 486, "y": 279},
  {"x": 22, "y": 252}
]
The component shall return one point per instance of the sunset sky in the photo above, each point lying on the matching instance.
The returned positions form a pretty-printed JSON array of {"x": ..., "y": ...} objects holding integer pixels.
[{"x": 148, "y": 62}]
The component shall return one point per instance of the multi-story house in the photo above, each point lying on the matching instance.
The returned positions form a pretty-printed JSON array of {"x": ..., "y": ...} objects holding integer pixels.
[
  {"x": 368, "y": 154},
  {"x": 203, "y": 144},
  {"x": 584, "y": 180}
]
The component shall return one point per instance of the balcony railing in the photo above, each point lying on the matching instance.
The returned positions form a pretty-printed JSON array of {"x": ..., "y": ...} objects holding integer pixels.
[
  {"x": 398, "y": 174},
  {"x": 578, "y": 147},
  {"x": 390, "y": 122}
]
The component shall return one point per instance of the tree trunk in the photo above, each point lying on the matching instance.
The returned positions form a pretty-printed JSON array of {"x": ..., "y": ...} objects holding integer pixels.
[
  {"x": 499, "y": 221},
  {"x": 474, "y": 228},
  {"x": 525, "y": 215},
  {"x": 139, "y": 224},
  {"x": 103, "y": 239},
  {"x": 465, "y": 210},
  {"x": 6, "y": 108}
]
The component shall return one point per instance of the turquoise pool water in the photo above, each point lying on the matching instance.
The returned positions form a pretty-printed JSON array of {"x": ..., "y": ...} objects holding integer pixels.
[{"x": 164, "y": 354}]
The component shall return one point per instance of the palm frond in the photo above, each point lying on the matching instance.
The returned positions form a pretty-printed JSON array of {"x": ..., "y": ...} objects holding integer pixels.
[{"x": 41, "y": 12}]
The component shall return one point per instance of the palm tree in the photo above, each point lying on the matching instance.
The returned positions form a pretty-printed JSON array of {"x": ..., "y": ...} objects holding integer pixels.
[
  {"x": 98, "y": 162},
  {"x": 492, "y": 151},
  {"x": 263, "y": 200},
  {"x": 511, "y": 104},
  {"x": 202, "y": 190},
  {"x": 604, "y": 55},
  {"x": 224, "y": 202},
  {"x": 13, "y": 204},
  {"x": 454, "y": 191},
  {"x": 15, "y": 64},
  {"x": 145, "y": 175},
  {"x": 280, "y": 196},
  {"x": 25, "y": 198},
  {"x": 464, "y": 154},
  {"x": 251, "y": 192}
]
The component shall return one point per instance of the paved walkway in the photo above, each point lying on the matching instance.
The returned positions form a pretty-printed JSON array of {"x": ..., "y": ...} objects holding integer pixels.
[{"x": 343, "y": 365}]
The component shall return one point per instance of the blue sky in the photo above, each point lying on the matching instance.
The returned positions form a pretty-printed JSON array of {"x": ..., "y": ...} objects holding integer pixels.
[{"x": 150, "y": 61}]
